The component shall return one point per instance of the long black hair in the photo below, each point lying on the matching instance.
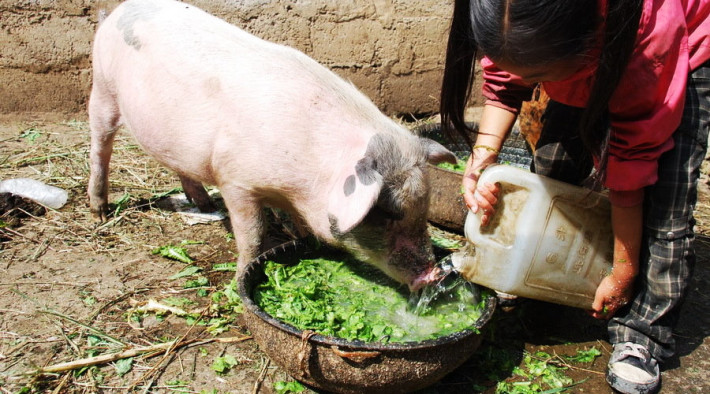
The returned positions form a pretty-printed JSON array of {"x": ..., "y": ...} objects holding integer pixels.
[{"x": 535, "y": 33}]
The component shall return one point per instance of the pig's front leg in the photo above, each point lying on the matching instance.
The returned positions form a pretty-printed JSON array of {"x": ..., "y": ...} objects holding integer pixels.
[
  {"x": 195, "y": 192},
  {"x": 247, "y": 218}
]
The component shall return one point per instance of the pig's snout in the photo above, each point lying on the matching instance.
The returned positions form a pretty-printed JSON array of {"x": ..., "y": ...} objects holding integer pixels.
[{"x": 427, "y": 277}]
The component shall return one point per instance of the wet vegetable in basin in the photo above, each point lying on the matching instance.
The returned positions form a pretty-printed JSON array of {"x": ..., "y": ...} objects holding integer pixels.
[
  {"x": 349, "y": 366},
  {"x": 346, "y": 299}
]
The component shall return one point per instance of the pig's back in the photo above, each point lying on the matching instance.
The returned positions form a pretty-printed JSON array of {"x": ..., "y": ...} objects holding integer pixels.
[{"x": 189, "y": 82}]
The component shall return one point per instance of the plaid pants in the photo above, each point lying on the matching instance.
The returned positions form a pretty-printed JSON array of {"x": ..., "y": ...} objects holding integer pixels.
[{"x": 667, "y": 253}]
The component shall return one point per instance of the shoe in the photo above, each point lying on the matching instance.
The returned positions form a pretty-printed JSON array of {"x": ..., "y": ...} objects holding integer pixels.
[{"x": 632, "y": 370}]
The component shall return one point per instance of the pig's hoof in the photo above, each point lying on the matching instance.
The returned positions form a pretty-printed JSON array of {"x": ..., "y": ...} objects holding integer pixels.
[{"x": 100, "y": 216}]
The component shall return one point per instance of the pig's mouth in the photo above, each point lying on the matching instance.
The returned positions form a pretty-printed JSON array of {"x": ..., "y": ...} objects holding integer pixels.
[{"x": 426, "y": 278}]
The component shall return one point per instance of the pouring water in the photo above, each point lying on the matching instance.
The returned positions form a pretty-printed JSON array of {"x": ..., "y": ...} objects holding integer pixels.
[{"x": 451, "y": 290}]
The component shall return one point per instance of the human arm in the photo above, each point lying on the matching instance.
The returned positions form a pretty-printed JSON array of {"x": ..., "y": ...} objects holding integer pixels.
[
  {"x": 494, "y": 126},
  {"x": 616, "y": 290},
  {"x": 505, "y": 93}
]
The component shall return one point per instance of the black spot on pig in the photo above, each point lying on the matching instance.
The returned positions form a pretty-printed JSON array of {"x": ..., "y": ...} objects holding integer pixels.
[
  {"x": 366, "y": 168},
  {"x": 334, "y": 228},
  {"x": 349, "y": 186},
  {"x": 135, "y": 11}
]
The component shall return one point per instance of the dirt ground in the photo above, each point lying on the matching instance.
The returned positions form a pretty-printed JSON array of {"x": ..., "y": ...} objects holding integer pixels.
[{"x": 70, "y": 290}]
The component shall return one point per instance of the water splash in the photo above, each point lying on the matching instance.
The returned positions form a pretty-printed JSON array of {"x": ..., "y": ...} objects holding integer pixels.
[{"x": 451, "y": 290}]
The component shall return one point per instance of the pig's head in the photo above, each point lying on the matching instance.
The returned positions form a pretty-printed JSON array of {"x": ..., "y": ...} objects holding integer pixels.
[{"x": 378, "y": 206}]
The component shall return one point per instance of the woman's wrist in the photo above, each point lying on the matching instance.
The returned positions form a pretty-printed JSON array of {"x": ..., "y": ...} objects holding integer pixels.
[
  {"x": 623, "y": 273},
  {"x": 487, "y": 148}
]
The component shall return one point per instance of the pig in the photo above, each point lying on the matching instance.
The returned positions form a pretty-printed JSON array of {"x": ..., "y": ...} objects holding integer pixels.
[{"x": 268, "y": 126}]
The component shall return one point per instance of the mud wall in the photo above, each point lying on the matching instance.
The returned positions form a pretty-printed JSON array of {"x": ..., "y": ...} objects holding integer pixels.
[{"x": 393, "y": 50}]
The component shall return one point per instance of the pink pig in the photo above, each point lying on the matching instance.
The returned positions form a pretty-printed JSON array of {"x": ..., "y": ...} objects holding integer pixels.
[{"x": 268, "y": 126}]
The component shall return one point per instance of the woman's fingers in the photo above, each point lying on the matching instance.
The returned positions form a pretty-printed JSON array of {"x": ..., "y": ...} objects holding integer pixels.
[{"x": 484, "y": 199}]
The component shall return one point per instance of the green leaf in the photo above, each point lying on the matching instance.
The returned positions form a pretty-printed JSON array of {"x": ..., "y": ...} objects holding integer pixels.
[
  {"x": 446, "y": 243},
  {"x": 173, "y": 253},
  {"x": 585, "y": 356},
  {"x": 123, "y": 366},
  {"x": 31, "y": 134},
  {"x": 122, "y": 203},
  {"x": 460, "y": 166},
  {"x": 177, "y": 383},
  {"x": 200, "y": 281},
  {"x": 178, "y": 301},
  {"x": 190, "y": 242},
  {"x": 222, "y": 365},
  {"x": 187, "y": 271},
  {"x": 293, "y": 386},
  {"x": 232, "y": 267},
  {"x": 89, "y": 300}
]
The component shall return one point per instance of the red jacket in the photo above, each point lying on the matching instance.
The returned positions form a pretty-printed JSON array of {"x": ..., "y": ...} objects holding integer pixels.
[{"x": 673, "y": 39}]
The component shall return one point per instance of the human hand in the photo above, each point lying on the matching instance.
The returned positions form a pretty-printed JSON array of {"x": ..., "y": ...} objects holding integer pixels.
[
  {"x": 612, "y": 294},
  {"x": 483, "y": 196}
]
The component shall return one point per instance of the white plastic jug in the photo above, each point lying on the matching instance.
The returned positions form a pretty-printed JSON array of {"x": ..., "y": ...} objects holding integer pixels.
[{"x": 548, "y": 240}]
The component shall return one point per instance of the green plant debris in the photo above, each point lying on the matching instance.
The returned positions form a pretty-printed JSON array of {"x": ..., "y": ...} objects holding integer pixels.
[
  {"x": 31, "y": 134},
  {"x": 89, "y": 300},
  {"x": 187, "y": 271},
  {"x": 522, "y": 372},
  {"x": 222, "y": 365},
  {"x": 178, "y": 301},
  {"x": 231, "y": 266},
  {"x": 123, "y": 366},
  {"x": 158, "y": 196},
  {"x": 541, "y": 373},
  {"x": 176, "y": 386},
  {"x": 191, "y": 242},
  {"x": 225, "y": 306},
  {"x": 354, "y": 301},
  {"x": 200, "y": 281},
  {"x": 121, "y": 204},
  {"x": 460, "y": 166},
  {"x": 584, "y": 356},
  {"x": 293, "y": 386},
  {"x": 174, "y": 253},
  {"x": 446, "y": 243}
]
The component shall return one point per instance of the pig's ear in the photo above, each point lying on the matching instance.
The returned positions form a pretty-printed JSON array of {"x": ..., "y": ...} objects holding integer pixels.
[
  {"x": 437, "y": 153},
  {"x": 352, "y": 196}
]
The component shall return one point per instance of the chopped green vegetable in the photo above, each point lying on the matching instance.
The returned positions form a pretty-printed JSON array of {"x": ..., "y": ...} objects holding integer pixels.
[
  {"x": 222, "y": 365},
  {"x": 178, "y": 301},
  {"x": 293, "y": 386},
  {"x": 173, "y": 253},
  {"x": 446, "y": 243},
  {"x": 460, "y": 166},
  {"x": 31, "y": 134},
  {"x": 197, "y": 282},
  {"x": 187, "y": 271},
  {"x": 225, "y": 267},
  {"x": 122, "y": 203},
  {"x": 354, "y": 301},
  {"x": 585, "y": 356},
  {"x": 123, "y": 366}
]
